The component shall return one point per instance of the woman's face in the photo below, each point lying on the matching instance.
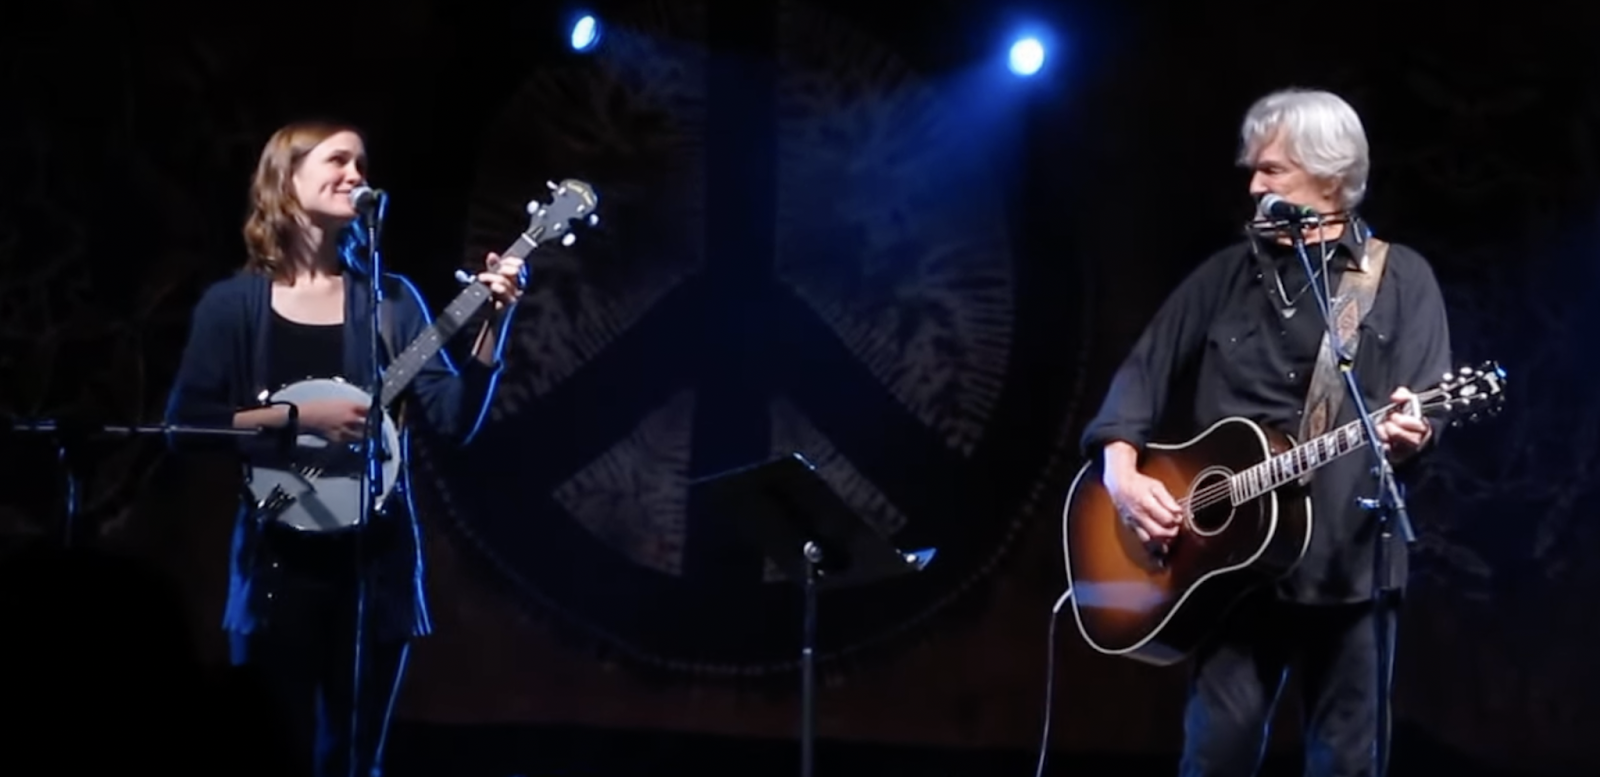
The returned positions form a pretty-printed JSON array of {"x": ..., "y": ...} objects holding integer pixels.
[{"x": 323, "y": 181}]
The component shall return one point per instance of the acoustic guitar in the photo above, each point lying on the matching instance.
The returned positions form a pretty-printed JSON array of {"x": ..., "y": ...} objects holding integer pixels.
[{"x": 1246, "y": 522}]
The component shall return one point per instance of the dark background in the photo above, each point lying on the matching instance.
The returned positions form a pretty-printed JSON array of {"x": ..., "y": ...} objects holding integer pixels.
[{"x": 883, "y": 252}]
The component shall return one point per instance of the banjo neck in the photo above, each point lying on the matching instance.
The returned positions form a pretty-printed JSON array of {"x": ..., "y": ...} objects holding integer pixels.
[
  {"x": 570, "y": 200},
  {"x": 405, "y": 367}
]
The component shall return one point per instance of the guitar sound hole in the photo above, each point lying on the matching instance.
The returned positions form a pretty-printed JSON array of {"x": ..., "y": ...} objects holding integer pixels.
[{"x": 1210, "y": 506}]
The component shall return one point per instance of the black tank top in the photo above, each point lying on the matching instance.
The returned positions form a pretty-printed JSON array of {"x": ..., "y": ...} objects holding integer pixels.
[{"x": 297, "y": 351}]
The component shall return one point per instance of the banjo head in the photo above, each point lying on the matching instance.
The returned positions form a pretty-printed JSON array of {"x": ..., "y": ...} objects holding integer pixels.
[{"x": 321, "y": 488}]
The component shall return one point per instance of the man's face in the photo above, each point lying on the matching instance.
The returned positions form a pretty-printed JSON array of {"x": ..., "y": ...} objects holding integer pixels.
[{"x": 1278, "y": 173}]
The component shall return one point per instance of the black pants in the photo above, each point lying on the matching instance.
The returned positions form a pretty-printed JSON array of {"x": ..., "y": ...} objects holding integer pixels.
[
  {"x": 1237, "y": 679},
  {"x": 303, "y": 654}
]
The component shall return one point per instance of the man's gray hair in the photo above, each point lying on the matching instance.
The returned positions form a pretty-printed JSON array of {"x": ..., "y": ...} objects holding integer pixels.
[{"x": 1321, "y": 132}]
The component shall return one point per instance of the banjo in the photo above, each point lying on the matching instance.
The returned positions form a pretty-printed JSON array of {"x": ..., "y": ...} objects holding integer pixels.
[{"x": 320, "y": 488}]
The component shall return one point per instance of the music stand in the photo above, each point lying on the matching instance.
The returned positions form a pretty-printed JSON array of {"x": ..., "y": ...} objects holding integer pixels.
[{"x": 785, "y": 508}]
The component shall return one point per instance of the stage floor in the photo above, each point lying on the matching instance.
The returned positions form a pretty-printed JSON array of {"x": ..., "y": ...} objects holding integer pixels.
[{"x": 420, "y": 750}]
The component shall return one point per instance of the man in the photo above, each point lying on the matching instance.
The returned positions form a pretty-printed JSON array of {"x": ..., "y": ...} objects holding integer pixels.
[{"x": 1240, "y": 337}]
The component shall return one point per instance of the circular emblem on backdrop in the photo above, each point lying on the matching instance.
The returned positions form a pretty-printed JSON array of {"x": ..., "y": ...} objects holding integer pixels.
[{"x": 868, "y": 316}]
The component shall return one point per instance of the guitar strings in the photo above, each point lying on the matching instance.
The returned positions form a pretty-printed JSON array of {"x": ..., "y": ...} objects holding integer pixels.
[{"x": 1217, "y": 492}]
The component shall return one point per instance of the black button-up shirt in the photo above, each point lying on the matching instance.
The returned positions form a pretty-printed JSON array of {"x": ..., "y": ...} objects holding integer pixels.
[{"x": 1219, "y": 347}]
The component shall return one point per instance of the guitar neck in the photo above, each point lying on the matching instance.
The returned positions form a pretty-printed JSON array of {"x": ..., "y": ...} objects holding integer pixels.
[
  {"x": 1303, "y": 459},
  {"x": 451, "y": 320}
]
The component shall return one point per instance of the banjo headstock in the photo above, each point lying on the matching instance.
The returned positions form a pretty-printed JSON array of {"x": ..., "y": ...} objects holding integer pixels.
[{"x": 571, "y": 200}]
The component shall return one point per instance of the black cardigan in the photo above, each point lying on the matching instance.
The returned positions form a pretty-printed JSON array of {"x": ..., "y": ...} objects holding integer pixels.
[{"x": 223, "y": 370}]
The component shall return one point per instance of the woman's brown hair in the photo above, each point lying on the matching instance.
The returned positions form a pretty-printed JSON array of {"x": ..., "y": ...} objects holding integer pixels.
[{"x": 275, "y": 213}]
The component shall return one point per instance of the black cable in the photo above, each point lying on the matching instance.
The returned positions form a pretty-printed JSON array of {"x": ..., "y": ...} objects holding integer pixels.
[{"x": 1050, "y": 678}]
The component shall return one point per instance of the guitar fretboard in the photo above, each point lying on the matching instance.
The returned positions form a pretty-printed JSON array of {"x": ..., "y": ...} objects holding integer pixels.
[
  {"x": 1299, "y": 460},
  {"x": 1469, "y": 392}
]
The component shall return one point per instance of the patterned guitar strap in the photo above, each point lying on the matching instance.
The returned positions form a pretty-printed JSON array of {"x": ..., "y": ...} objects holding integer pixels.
[{"x": 1357, "y": 289}]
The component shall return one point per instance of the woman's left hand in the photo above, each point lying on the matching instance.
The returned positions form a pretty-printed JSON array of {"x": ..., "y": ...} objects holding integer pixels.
[{"x": 505, "y": 278}]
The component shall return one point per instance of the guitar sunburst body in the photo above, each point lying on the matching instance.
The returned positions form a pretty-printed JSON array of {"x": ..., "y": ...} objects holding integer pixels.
[
  {"x": 1247, "y": 522},
  {"x": 1130, "y": 601}
]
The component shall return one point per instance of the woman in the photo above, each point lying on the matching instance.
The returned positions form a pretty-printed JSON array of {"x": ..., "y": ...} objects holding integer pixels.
[{"x": 299, "y": 309}]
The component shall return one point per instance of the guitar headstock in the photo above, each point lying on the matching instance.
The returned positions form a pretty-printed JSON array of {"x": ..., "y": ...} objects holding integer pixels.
[
  {"x": 1467, "y": 394},
  {"x": 571, "y": 200}
]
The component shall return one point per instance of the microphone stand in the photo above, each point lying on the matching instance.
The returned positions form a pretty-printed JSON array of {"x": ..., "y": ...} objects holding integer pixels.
[
  {"x": 372, "y": 477},
  {"x": 1389, "y": 508},
  {"x": 68, "y": 433}
]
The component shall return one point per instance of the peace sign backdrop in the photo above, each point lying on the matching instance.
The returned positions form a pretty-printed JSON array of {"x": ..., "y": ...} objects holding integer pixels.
[{"x": 811, "y": 256}]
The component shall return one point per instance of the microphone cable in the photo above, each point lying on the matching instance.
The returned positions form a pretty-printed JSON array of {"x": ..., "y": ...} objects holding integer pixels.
[{"x": 1050, "y": 677}]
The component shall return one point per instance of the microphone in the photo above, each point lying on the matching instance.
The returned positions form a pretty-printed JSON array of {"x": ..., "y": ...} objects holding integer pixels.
[
  {"x": 1274, "y": 207},
  {"x": 364, "y": 198}
]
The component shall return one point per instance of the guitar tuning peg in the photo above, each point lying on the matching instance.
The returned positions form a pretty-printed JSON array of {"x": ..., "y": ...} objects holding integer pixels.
[
  {"x": 532, "y": 207},
  {"x": 463, "y": 277},
  {"x": 551, "y": 184},
  {"x": 594, "y": 219},
  {"x": 568, "y": 239}
]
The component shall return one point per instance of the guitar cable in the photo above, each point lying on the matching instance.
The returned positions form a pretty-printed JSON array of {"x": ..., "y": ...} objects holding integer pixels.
[{"x": 1050, "y": 677}]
